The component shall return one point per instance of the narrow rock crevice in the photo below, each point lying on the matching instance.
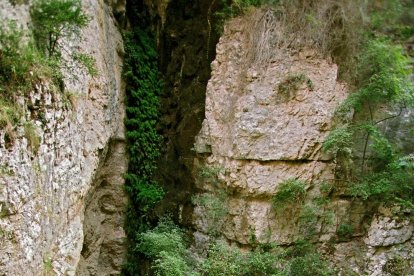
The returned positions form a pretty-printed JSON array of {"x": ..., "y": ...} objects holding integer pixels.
[{"x": 185, "y": 66}]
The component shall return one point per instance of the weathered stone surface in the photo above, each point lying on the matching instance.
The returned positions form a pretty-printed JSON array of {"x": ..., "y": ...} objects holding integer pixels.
[
  {"x": 249, "y": 117},
  {"x": 385, "y": 231},
  {"x": 104, "y": 245},
  {"x": 256, "y": 135},
  {"x": 45, "y": 191},
  {"x": 260, "y": 135}
]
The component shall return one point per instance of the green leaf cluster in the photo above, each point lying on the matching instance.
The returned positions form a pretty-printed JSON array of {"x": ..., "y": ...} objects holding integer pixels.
[
  {"x": 382, "y": 82},
  {"x": 26, "y": 56},
  {"x": 165, "y": 245},
  {"x": 394, "y": 183},
  {"x": 214, "y": 209},
  {"x": 54, "y": 20},
  {"x": 143, "y": 87},
  {"x": 20, "y": 61},
  {"x": 290, "y": 192}
]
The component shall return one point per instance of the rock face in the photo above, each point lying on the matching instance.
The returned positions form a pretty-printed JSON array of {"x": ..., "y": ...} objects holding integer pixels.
[
  {"x": 104, "y": 238},
  {"x": 43, "y": 193},
  {"x": 265, "y": 123},
  {"x": 268, "y": 110}
]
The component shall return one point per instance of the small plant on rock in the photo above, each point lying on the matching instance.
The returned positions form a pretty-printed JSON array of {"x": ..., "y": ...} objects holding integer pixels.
[
  {"x": 291, "y": 192},
  {"x": 54, "y": 20},
  {"x": 288, "y": 87},
  {"x": 215, "y": 210},
  {"x": 345, "y": 231}
]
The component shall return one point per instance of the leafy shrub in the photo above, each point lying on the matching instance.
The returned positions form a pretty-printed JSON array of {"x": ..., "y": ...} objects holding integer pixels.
[
  {"x": 143, "y": 142},
  {"x": 223, "y": 260},
  {"x": 215, "y": 210},
  {"x": 382, "y": 81},
  {"x": 170, "y": 265},
  {"x": 87, "y": 62},
  {"x": 228, "y": 260},
  {"x": 290, "y": 192},
  {"x": 383, "y": 77},
  {"x": 210, "y": 172},
  {"x": 24, "y": 62},
  {"x": 308, "y": 219},
  {"x": 397, "y": 266},
  {"x": 260, "y": 262},
  {"x": 165, "y": 237},
  {"x": 340, "y": 141},
  {"x": 9, "y": 114},
  {"x": 300, "y": 248},
  {"x": 20, "y": 62},
  {"x": 345, "y": 231},
  {"x": 310, "y": 265},
  {"x": 392, "y": 184},
  {"x": 54, "y": 20},
  {"x": 165, "y": 245},
  {"x": 32, "y": 137}
]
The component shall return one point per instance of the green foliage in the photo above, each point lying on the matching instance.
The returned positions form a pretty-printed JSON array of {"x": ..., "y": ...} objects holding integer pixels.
[
  {"x": 54, "y": 20},
  {"x": 393, "y": 18},
  {"x": 21, "y": 65},
  {"x": 9, "y": 114},
  {"x": 345, "y": 231},
  {"x": 87, "y": 62},
  {"x": 165, "y": 245},
  {"x": 382, "y": 81},
  {"x": 236, "y": 7},
  {"x": 20, "y": 62},
  {"x": 143, "y": 143},
  {"x": 398, "y": 266},
  {"x": 227, "y": 260},
  {"x": 166, "y": 237},
  {"x": 229, "y": 9},
  {"x": 382, "y": 77},
  {"x": 293, "y": 83},
  {"x": 48, "y": 267},
  {"x": 308, "y": 219},
  {"x": 290, "y": 192},
  {"x": 392, "y": 184},
  {"x": 32, "y": 136},
  {"x": 24, "y": 62},
  {"x": 214, "y": 209},
  {"x": 303, "y": 259},
  {"x": 310, "y": 265},
  {"x": 339, "y": 141},
  {"x": 210, "y": 172},
  {"x": 223, "y": 261},
  {"x": 170, "y": 265}
]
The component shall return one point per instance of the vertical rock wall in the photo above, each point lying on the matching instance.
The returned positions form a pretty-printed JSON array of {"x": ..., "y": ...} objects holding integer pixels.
[
  {"x": 43, "y": 194},
  {"x": 259, "y": 135},
  {"x": 268, "y": 110}
]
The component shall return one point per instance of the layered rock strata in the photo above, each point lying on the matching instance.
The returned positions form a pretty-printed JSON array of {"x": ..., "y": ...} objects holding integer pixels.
[{"x": 268, "y": 110}]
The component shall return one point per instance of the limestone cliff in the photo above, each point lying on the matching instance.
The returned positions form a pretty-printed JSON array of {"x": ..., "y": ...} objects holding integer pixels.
[
  {"x": 44, "y": 194},
  {"x": 268, "y": 110}
]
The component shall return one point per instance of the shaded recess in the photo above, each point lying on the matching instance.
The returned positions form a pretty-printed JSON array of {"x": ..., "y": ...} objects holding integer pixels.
[{"x": 186, "y": 48}]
